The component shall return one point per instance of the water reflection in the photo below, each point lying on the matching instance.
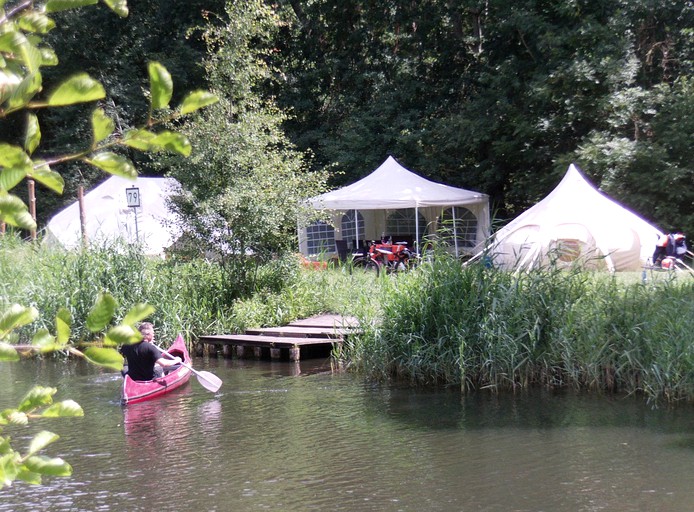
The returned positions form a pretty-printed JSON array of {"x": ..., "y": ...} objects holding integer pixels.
[{"x": 280, "y": 436}]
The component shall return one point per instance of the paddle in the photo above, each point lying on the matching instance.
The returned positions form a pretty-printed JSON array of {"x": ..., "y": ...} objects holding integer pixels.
[{"x": 207, "y": 380}]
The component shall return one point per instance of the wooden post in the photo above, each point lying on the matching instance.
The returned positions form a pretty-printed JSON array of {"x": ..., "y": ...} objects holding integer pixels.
[
  {"x": 32, "y": 204},
  {"x": 83, "y": 216}
]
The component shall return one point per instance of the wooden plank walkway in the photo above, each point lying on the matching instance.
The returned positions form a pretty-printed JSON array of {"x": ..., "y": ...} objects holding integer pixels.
[{"x": 309, "y": 337}]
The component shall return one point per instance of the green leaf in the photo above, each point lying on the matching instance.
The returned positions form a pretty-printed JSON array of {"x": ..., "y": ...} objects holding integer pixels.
[
  {"x": 120, "y": 7},
  {"x": 13, "y": 156},
  {"x": 79, "y": 88},
  {"x": 4, "y": 416},
  {"x": 113, "y": 164},
  {"x": 16, "y": 316},
  {"x": 8, "y": 469},
  {"x": 33, "y": 134},
  {"x": 11, "y": 41},
  {"x": 36, "y": 397},
  {"x": 8, "y": 352},
  {"x": 11, "y": 177},
  {"x": 21, "y": 49},
  {"x": 48, "y": 57},
  {"x": 108, "y": 357},
  {"x": 41, "y": 440},
  {"x": 5, "y": 446},
  {"x": 102, "y": 125},
  {"x": 137, "y": 313},
  {"x": 25, "y": 91},
  {"x": 15, "y": 212},
  {"x": 29, "y": 477},
  {"x": 139, "y": 139},
  {"x": 10, "y": 82},
  {"x": 64, "y": 409},
  {"x": 48, "y": 466},
  {"x": 63, "y": 321},
  {"x": 102, "y": 312},
  {"x": 44, "y": 341},
  {"x": 122, "y": 335},
  {"x": 48, "y": 178},
  {"x": 161, "y": 85},
  {"x": 62, "y": 5},
  {"x": 172, "y": 141},
  {"x": 34, "y": 21},
  {"x": 197, "y": 100}
]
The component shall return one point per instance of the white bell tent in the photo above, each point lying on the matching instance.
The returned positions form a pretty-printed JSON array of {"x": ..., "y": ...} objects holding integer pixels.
[
  {"x": 576, "y": 223},
  {"x": 395, "y": 202},
  {"x": 108, "y": 218}
]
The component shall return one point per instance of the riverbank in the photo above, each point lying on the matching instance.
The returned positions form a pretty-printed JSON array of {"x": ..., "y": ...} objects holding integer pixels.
[
  {"x": 473, "y": 327},
  {"x": 482, "y": 328}
]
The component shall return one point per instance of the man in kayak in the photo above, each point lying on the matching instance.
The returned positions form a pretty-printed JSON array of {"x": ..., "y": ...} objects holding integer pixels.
[{"x": 146, "y": 361}]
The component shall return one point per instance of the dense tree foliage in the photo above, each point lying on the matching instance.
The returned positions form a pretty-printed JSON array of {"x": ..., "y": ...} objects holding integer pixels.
[
  {"x": 500, "y": 96},
  {"x": 489, "y": 95},
  {"x": 243, "y": 188}
]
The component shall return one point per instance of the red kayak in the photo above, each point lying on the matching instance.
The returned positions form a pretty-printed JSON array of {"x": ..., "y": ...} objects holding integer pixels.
[{"x": 140, "y": 390}]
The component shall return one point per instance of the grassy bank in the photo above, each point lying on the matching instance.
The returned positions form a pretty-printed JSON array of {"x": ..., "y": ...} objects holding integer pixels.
[
  {"x": 474, "y": 327},
  {"x": 487, "y": 329},
  {"x": 192, "y": 297}
]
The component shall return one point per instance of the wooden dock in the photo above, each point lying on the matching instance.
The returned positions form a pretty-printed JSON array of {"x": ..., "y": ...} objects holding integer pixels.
[{"x": 306, "y": 338}]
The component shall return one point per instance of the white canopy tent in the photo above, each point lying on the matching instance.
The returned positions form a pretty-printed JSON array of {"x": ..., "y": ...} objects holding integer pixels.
[
  {"x": 109, "y": 218},
  {"x": 393, "y": 187},
  {"x": 576, "y": 222}
]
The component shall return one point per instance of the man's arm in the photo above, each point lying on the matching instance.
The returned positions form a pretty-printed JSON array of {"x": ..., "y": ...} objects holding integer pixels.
[{"x": 166, "y": 361}]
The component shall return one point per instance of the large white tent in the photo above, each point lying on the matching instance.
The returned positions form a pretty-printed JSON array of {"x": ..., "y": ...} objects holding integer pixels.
[
  {"x": 109, "y": 218},
  {"x": 576, "y": 222},
  {"x": 393, "y": 187}
]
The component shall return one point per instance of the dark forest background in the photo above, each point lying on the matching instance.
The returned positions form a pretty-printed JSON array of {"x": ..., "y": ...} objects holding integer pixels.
[{"x": 493, "y": 96}]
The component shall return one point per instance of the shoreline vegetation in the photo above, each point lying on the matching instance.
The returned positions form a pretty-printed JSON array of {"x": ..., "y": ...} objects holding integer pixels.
[{"x": 470, "y": 326}]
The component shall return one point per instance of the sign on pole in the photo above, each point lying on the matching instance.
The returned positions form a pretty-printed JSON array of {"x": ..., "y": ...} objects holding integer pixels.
[{"x": 133, "y": 197}]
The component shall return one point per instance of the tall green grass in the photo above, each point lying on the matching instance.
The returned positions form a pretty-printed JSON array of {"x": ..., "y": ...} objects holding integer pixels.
[
  {"x": 483, "y": 328},
  {"x": 442, "y": 323},
  {"x": 193, "y": 297}
]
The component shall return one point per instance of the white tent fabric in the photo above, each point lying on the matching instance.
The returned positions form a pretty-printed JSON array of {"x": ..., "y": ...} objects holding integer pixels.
[
  {"x": 109, "y": 218},
  {"x": 576, "y": 222},
  {"x": 391, "y": 187}
]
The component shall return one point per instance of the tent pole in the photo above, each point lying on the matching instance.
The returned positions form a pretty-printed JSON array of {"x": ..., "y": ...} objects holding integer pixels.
[
  {"x": 416, "y": 228},
  {"x": 356, "y": 229},
  {"x": 32, "y": 204},
  {"x": 455, "y": 233},
  {"x": 83, "y": 216}
]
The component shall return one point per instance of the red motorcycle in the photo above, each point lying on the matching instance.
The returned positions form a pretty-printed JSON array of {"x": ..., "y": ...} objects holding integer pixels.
[{"x": 391, "y": 257}]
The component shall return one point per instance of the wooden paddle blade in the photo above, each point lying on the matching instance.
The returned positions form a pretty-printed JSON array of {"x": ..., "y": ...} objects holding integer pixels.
[{"x": 209, "y": 381}]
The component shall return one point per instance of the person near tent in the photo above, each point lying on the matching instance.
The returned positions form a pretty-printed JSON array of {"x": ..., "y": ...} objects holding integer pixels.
[
  {"x": 680, "y": 245},
  {"x": 661, "y": 249}
]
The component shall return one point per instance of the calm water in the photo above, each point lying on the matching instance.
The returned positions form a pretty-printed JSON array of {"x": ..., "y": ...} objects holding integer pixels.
[{"x": 284, "y": 437}]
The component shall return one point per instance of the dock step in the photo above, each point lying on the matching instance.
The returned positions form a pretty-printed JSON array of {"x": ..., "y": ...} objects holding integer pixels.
[{"x": 311, "y": 337}]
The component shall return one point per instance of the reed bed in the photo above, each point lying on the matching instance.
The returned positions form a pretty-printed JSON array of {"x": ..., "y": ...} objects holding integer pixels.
[{"x": 483, "y": 328}]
